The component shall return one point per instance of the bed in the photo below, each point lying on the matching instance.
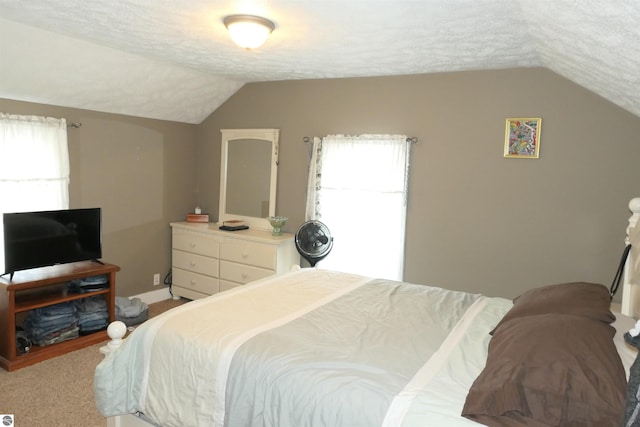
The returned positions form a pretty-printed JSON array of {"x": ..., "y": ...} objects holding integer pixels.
[{"x": 314, "y": 347}]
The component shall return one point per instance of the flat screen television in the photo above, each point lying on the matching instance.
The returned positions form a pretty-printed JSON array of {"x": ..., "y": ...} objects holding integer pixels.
[{"x": 45, "y": 238}]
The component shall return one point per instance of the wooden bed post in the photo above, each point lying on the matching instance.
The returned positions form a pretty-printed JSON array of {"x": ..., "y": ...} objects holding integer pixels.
[
  {"x": 116, "y": 331},
  {"x": 631, "y": 280}
]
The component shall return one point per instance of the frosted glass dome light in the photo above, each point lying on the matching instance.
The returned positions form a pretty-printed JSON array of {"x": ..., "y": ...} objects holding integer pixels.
[{"x": 248, "y": 31}]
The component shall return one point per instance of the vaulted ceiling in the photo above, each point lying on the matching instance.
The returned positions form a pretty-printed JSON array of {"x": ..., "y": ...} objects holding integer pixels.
[{"x": 173, "y": 59}]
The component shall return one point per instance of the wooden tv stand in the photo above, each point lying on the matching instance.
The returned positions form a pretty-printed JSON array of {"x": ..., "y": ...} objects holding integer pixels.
[{"x": 41, "y": 287}]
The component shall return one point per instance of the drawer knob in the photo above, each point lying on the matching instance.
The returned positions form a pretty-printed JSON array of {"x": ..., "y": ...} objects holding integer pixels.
[
  {"x": 192, "y": 244},
  {"x": 245, "y": 254},
  {"x": 193, "y": 263},
  {"x": 244, "y": 275},
  {"x": 194, "y": 282}
]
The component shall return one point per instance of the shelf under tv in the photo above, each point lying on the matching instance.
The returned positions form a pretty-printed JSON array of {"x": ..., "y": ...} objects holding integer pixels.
[{"x": 41, "y": 287}]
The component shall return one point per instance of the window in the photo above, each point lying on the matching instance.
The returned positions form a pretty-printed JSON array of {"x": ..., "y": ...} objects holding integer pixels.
[
  {"x": 35, "y": 166},
  {"x": 358, "y": 189}
]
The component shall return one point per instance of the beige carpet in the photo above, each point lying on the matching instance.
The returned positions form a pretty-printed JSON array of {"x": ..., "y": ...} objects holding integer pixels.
[{"x": 58, "y": 391}]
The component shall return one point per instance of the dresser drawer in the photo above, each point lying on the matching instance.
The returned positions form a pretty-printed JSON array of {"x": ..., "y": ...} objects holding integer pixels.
[
  {"x": 249, "y": 253},
  {"x": 197, "y": 282},
  {"x": 241, "y": 273},
  {"x": 194, "y": 262},
  {"x": 197, "y": 243}
]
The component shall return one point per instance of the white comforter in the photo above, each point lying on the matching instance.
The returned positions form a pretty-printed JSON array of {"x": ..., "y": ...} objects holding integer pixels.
[{"x": 308, "y": 348}]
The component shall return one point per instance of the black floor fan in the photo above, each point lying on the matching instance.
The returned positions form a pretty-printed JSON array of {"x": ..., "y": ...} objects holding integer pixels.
[{"x": 313, "y": 241}]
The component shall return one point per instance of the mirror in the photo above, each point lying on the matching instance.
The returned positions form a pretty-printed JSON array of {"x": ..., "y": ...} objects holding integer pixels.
[{"x": 248, "y": 175}]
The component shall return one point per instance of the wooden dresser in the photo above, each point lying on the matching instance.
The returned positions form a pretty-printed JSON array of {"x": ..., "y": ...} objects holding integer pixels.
[{"x": 206, "y": 260}]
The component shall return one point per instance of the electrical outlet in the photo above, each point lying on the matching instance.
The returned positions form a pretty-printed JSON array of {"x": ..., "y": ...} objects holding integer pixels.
[{"x": 156, "y": 279}]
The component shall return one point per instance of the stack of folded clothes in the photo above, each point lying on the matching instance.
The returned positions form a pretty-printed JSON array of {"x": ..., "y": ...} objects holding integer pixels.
[
  {"x": 92, "y": 313},
  {"x": 52, "y": 324},
  {"x": 89, "y": 284}
]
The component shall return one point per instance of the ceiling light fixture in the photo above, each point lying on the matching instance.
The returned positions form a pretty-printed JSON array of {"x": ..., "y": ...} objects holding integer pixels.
[{"x": 248, "y": 31}]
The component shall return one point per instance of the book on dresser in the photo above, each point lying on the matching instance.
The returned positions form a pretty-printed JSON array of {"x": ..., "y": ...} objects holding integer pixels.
[{"x": 234, "y": 225}]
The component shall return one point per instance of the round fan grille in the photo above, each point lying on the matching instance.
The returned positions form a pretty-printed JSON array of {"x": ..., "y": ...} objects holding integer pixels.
[{"x": 313, "y": 241}]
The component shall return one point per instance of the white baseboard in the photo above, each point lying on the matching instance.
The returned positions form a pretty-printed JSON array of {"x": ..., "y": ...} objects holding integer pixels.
[{"x": 154, "y": 296}]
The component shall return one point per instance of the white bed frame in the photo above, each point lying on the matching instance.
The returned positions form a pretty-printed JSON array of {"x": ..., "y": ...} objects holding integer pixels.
[
  {"x": 631, "y": 278},
  {"x": 630, "y": 305}
]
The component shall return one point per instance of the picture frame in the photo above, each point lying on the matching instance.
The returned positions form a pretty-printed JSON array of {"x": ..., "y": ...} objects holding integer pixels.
[{"x": 522, "y": 137}]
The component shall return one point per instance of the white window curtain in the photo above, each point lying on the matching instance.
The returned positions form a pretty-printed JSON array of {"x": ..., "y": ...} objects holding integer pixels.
[
  {"x": 358, "y": 188},
  {"x": 35, "y": 166}
]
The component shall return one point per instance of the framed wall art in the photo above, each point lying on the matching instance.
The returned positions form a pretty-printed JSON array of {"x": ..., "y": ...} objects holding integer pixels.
[{"x": 522, "y": 138}]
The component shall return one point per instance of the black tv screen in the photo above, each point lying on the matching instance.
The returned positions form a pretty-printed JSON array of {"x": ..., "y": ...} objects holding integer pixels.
[{"x": 39, "y": 239}]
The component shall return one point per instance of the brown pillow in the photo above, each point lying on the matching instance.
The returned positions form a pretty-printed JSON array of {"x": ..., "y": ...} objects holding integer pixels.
[
  {"x": 590, "y": 300},
  {"x": 550, "y": 369}
]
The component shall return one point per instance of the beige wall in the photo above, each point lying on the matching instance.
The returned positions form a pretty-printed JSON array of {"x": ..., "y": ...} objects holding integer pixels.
[
  {"x": 476, "y": 221},
  {"x": 140, "y": 172}
]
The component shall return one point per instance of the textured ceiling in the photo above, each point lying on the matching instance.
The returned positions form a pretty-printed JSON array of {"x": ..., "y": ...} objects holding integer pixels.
[{"x": 173, "y": 59}]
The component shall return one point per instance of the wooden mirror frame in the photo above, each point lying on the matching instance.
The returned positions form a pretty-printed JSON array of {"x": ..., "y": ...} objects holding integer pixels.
[{"x": 269, "y": 136}]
